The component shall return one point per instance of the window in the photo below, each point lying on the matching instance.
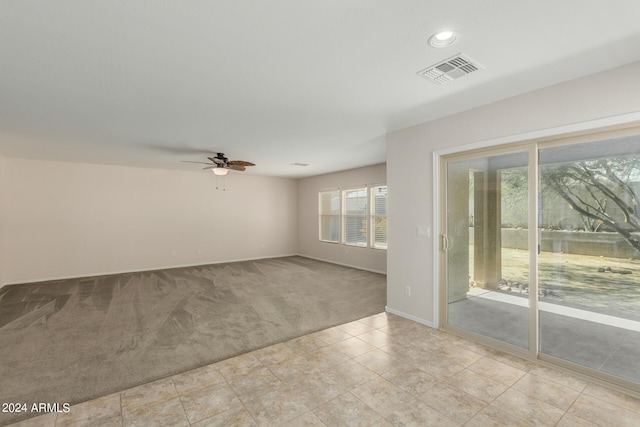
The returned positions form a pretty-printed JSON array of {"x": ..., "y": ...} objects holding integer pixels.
[
  {"x": 379, "y": 217},
  {"x": 329, "y": 202},
  {"x": 355, "y": 216}
]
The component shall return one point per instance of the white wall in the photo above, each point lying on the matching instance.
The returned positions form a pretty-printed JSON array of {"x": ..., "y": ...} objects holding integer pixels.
[
  {"x": 70, "y": 219},
  {"x": 411, "y": 259},
  {"x": 308, "y": 243}
]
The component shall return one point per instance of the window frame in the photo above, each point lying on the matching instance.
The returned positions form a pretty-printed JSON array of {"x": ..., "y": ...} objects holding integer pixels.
[{"x": 368, "y": 217}]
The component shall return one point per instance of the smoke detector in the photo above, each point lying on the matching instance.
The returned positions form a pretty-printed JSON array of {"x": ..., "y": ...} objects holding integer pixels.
[{"x": 450, "y": 69}]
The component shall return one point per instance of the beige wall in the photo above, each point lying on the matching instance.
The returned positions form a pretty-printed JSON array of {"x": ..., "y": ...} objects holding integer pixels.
[
  {"x": 2, "y": 236},
  {"x": 70, "y": 219},
  {"x": 308, "y": 243},
  {"x": 411, "y": 259}
]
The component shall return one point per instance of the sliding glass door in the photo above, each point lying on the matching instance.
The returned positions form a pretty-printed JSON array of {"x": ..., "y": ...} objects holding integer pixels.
[
  {"x": 486, "y": 246},
  {"x": 540, "y": 251},
  {"x": 589, "y": 272}
]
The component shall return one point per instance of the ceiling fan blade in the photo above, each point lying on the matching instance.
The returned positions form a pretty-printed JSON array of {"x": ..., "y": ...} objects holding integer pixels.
[
  {"x": 209, "y": 167},
  {"x": 236, "y": 167},
  {"x": 216, "y": 160},
  {"x": 240, "y": 163},
  {"x": 189, "y": 161}
]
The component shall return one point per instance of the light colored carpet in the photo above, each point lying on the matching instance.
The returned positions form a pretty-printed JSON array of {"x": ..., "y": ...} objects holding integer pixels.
[{"x": 74, "y": 340}]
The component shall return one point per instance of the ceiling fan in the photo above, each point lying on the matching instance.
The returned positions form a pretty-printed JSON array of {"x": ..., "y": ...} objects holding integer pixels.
[{"x": 221, "y": 165}]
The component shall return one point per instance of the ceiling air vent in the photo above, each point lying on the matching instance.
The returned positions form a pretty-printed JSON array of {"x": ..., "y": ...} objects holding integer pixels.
[{"x": 450, "y": 69}]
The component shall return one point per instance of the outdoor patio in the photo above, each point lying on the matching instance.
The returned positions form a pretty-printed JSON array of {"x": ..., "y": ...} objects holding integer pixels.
[{"x": 586, "y": 316}]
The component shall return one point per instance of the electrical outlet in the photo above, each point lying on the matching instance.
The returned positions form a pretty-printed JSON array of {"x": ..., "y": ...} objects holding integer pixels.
[{"x": 407, "y": 291}]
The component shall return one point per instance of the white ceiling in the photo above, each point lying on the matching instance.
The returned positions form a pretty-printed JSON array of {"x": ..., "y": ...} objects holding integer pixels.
[{"x": 151, "y": 83}]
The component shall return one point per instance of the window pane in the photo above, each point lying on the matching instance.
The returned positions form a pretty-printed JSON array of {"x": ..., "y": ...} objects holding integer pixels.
[
  {"x": 355, "y": 217},
  {"x": 355, "y": 230},
  {"x": 329, "y": 210},
  {"x": 330, "y": 203},
  {"x": 356, "y": 201},
  {"x": 379, "y": 217},
  {"x": 330, "y": 228},
  {"x": 589, "y": 287}
]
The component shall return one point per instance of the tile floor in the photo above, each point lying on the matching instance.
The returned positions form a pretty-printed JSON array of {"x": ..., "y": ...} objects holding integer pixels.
[{"x": 382, "y": 370}]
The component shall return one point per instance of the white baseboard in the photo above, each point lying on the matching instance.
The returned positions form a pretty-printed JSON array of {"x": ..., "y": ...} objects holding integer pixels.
[
  {"x": 107, "y": 273},
  {"x": 409, "y": 316},
  {"x": 344, "y": 265}
]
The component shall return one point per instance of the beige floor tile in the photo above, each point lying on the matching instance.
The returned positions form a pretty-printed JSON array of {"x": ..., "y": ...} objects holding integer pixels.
[
  {"x": 419, "y": 414},
  {"x": 255, "y": 384},
  {"x": 408, "y": 352},
  {"x": 325, "y": 357},
  {"x": 305, "y": 344},
  {"x": 147, "y": 394},
  {"x": 603, "y": 413},
  {"x": 273, "y": 354},
  {"x": 346, "y": 410},
  {"x": 352, "y": 347},
  {"x": 350, "y": 374},
  {"x": 376, "y": 321},
  {"x": 491, "y": 416},
  {"x": 293, "y": 369},
  {"x": 95, "y": 411},
  {"x": 206, "y": 402},
  {"x": 498, "y": 371},
  {"x": 197, "y": 378},
  {"x": 569, "y": 420},
  {"x": 377, "y": 360},
  {"x": 382, "y": 395},
  {"x": 528, "y": 408},
  {"x": 511, "y": 360},
  {"x": 436, "y": 344},
  {"x": 46, "y": 420},
  {"x": 453, "y": 402},
  {"x": 164, "y": 413},
  {"x": 333, "y": 335},
  {"x": 559, "y": 377},
  {"x": 275, "y": 408},
  {"x": 543, "y": 389},
  {"x": 438, "y": 366},
  {"x": 476, "y": 348},
  {"x": 412, "y": 380},
  {"x": 306, "y": 420},
  {"x": 613, "y": 396},
  {"x": 236, "y": 417},
  {"x": 356, "y": 328},
  {"x": 461, "y": 355},
  {"x": 375, "y": 338},
  {"x": 382, "y": 422},
  {"x": 239, "y": 365},
  {"x": 477, "y": 385},
  {"x": 317, "y": 389}
]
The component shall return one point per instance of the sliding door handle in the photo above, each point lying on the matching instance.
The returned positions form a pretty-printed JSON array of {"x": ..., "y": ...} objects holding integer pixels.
[{"x": 445, "y": 243}]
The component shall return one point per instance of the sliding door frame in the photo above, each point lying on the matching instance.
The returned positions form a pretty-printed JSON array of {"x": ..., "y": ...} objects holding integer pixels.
[{"x": 531, "y": 143}]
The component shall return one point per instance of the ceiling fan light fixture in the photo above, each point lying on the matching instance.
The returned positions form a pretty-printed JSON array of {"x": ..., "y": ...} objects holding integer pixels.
[
  {"x": 443, "y": 38},
  {"x": 220, "y": 171}
]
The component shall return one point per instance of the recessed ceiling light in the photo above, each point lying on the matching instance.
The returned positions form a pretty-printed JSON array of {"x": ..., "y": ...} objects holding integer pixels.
[{"x": 443, "y": 38}]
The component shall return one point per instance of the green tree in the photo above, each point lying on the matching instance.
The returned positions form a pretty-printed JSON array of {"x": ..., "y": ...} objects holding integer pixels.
[{"x": 590, "y": 187}]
